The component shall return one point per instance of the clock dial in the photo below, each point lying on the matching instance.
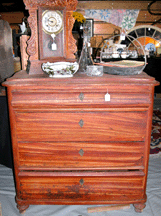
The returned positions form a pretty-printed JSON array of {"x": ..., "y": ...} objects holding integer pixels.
[{"x": 52, "y": 22}]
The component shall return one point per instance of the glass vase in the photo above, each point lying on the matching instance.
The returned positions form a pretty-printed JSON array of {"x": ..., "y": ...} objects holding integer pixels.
[{"x": 85, "y": 57}]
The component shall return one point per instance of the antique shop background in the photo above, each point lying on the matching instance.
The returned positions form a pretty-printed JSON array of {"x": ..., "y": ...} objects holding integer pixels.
[{"x": 14, "y": 13}]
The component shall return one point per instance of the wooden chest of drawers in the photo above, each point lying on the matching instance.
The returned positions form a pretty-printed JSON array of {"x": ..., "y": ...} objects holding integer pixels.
[{"x": 81, "y": 140}]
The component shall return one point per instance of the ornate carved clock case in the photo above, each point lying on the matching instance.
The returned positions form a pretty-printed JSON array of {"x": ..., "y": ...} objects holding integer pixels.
[{"x": 51, "y": 38}]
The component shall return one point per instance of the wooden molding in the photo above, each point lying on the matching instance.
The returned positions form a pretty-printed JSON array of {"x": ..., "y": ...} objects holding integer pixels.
[
  {"x": 24, "y": 55},
  {"x": 71, "y": 42},
  {"x": 32, "y": 48}
]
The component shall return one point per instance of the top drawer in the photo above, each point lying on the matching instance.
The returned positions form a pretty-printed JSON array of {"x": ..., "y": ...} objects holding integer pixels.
[{"x": 47, "y": 98}]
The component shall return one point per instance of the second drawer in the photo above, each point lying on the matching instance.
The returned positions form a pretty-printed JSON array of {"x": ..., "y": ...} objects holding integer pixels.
[{"x": 81, "y": 126}]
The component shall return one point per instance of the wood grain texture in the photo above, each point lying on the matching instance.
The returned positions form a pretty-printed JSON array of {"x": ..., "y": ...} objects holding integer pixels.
[
  {"x": 56, "y": 98},
  {"x": 69, "y": 149},
  {"x": 69, "y": 188},
  {"x": 124, "y": 126},
  {"x": 66, "y": 156}
]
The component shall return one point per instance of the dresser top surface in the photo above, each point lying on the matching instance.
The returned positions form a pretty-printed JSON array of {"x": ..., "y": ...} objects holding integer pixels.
[{"x": 23, "y": 79}]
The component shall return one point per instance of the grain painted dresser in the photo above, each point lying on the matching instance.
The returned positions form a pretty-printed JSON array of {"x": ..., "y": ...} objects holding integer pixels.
[{"x": 80, "y": 140}]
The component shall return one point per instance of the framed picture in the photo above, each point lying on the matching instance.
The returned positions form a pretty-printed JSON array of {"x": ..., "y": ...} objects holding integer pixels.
[{"x": 89, "y": 28}]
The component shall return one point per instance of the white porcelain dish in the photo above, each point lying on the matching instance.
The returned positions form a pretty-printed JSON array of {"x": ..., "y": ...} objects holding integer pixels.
[{"x": 60, "y": 69}]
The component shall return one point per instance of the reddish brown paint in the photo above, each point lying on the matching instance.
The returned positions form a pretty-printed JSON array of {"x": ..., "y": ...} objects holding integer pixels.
[{"x": 47, "y": 138}]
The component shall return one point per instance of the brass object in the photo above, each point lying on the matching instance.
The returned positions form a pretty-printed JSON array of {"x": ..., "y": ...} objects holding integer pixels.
[
  {"x": 81, "y": 96},
  {"x": 81, "y": 123},
  {"x": 81, "y": 181},
  {"x": 81, "y": 152}
]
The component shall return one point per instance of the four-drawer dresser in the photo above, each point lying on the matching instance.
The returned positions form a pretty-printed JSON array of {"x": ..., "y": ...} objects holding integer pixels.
[{"x": 80, "y": 140}]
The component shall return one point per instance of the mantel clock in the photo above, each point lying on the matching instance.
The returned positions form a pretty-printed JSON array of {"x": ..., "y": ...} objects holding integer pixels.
[{"x": 51, "y": 23}]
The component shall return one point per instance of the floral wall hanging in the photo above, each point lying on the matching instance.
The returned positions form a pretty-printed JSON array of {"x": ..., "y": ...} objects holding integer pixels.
[{"x": 125, "y": 19}]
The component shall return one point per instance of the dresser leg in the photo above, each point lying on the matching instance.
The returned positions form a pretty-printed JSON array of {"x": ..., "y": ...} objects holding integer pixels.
[
  {"x": 22, "y": 208},
  {"x": 21, "y": 205},
  {"x": 139, "y": 207}
]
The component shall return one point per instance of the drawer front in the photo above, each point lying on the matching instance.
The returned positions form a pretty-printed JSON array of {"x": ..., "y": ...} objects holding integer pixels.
[
  {"x": 43, "y": 99},
  {"x": 81, "y": 156},
  {"x": 82, "y": 189},
  {"x": 81, "y": 126}
]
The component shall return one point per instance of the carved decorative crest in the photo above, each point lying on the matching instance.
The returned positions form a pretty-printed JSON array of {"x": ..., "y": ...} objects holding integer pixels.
[{"x": 34, "y": 4}]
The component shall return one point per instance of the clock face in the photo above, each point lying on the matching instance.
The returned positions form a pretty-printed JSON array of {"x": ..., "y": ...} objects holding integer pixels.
[
  {"x": 52, "y": 22},
  {"x": 51, "y": 32}
]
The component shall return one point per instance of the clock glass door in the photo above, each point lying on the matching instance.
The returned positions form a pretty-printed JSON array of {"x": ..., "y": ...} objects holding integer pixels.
[{"x": 51, "y": 33}]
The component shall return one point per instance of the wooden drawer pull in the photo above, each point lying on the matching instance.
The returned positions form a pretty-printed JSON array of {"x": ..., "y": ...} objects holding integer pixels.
[
  {"x": 81, "y": 181},
  {"x": 81, "y": 123},
  {"x": 81, "y": 152},
  {"x": 81, "y": 96}
]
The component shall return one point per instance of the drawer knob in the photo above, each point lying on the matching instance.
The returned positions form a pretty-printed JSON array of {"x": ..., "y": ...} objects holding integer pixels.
[
  {"x": 81, "y": 123},
  {"x": 81, "y": 181},
  {"x": 81, "y": 96},
  {"x": 81, "y": 152}
]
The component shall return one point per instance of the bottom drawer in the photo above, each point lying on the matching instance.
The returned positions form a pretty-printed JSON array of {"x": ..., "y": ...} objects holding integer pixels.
[{"x": 104, "y": 187}]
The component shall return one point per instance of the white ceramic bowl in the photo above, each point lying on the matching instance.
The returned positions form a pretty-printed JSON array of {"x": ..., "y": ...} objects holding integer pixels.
[{"x": 60, "y": 69}]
